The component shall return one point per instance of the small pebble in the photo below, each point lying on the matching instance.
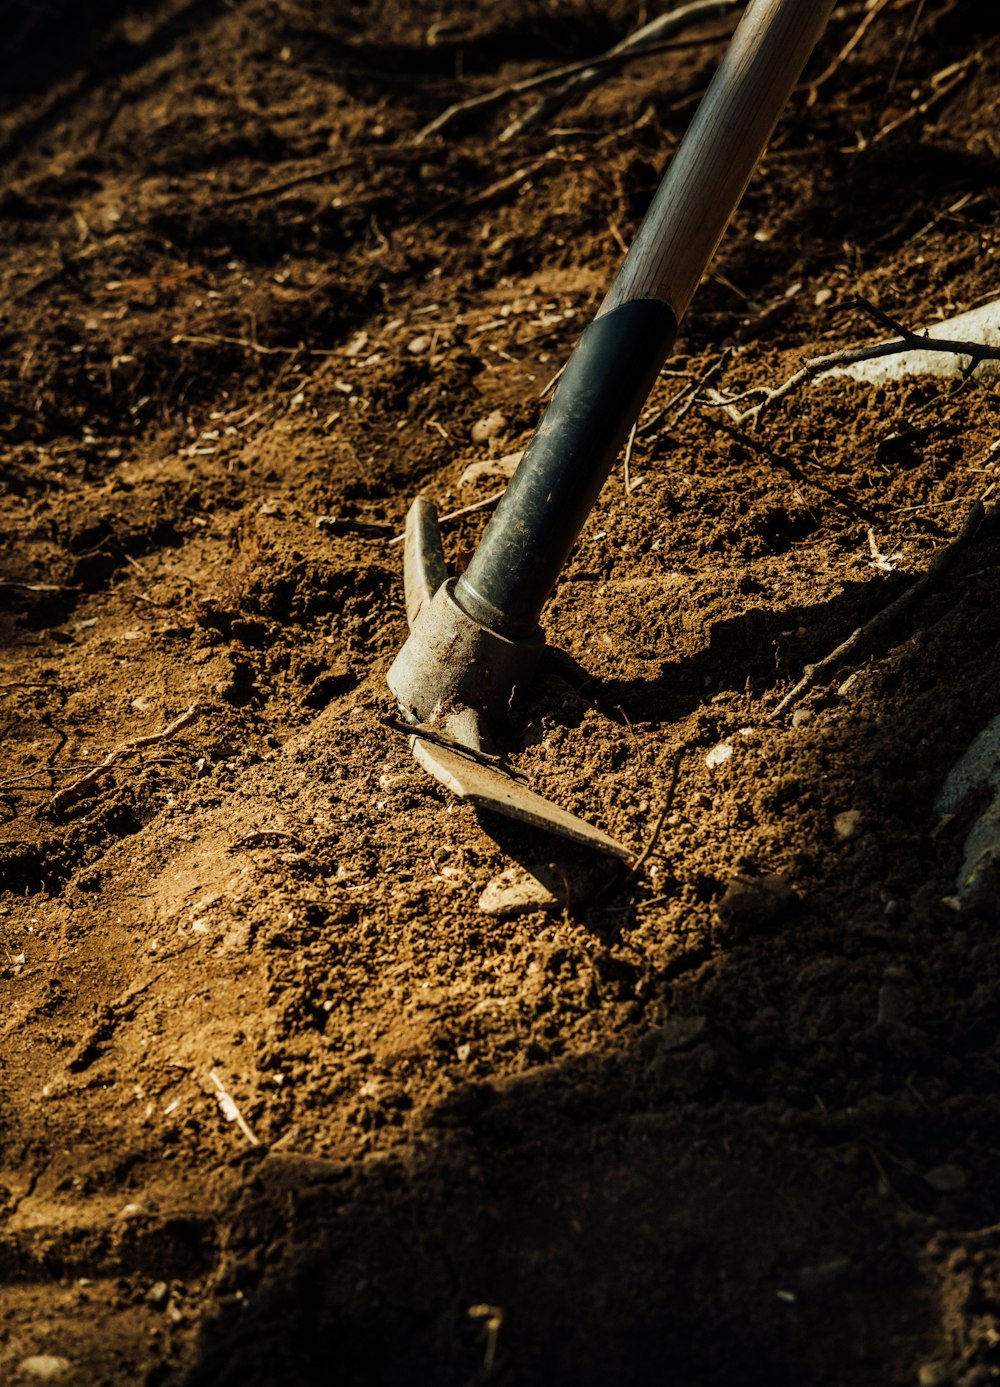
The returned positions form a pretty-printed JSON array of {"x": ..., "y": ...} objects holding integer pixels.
[
  {"x": 802, "y": 717},
  {"x": 845, "y": 825},
  {"x": 948, "y": 1179},
  {"x": 44, "y": 1367},
  {"x": 418, "y": 345},
  {"x": 897, "y": 973},
  {"x": 679, "y": 1032},
  {"x": 551, "y": 886},
  {"x": 893, "y": 1004},
  {"x": 719, "y": 755},
  {"x": 932, "y": 1375},
  {"x": 491, "y": 467},
  {"x": 489, "y": 426},
  {"x": 749, "y": 901}
]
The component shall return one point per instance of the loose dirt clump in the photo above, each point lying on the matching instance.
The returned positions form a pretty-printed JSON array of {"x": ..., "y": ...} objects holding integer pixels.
[{"x": 298, "y": 1085}]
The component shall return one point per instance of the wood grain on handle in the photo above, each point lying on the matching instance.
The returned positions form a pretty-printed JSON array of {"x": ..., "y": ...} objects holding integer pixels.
[{"x": 716, "y": 158}]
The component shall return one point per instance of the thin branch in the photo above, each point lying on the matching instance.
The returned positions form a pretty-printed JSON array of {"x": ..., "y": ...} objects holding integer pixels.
[
  {"x": 865, "y": 635},
  {"x": 34, "y": 587},
  {"x": 907, "y": 42},
  {"x": 653, "y": 37},
  {"x": 218, "y": 340},
  {"x": 66, "y": 796},
  {"x": 629, "y": 446},
  {"x": 977, "y": 352},
  {"x": 645, "y": 42},
  {"x": 487, "y": 503},
  {"x": 229, "y": 1109},
  {"x": 668, "y": 802},
  {"x": 943, "y": 83},
  {"x": 848, "y": 48}
]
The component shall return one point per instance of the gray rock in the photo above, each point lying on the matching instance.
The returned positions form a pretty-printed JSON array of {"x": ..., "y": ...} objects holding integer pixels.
[{"x": 545, "y": 886}]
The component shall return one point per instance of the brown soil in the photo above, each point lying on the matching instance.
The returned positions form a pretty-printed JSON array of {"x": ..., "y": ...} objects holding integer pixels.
[{"x": 732, "y": 1121}]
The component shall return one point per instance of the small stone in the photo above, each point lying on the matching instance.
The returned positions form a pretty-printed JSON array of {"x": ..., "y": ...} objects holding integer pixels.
[
  {"x": 822, "y": 296},
  {"x": 947, "y": 1179},
  {"x": 932, "y": 1375},
  {"x": 719, "y": 755},
  {"x": 490, "y": 467},
  {"x": 463, "y": 1104},
  {"x": 158, "y": 1293},
  {"x": 44, "y": 1367},
  {"x": 893, "y": 1004},
  {"x": 419, "y": 345},
  {"x": 687, "y": 1071},
  {"x": 489, "y": 426},
  {"x": 548, "y": 886},
  {"x": 749, "y": 902},
  {"x": 394, "y": 780},
  {"x": 678, "y": 1032},
  {"x": 802, "y": 717},
  {"x": 845, "y": 824}
]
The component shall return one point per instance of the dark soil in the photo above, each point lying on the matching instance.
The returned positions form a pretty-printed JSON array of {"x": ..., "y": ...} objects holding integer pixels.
[{"x": 734, "y": 1120}]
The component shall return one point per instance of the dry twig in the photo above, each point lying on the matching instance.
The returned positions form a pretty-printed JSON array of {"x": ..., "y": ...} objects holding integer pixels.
[
  {"x": 229, "y": 1109},
  {"x": 943, "y": 83},
  {"x": 629, "y": 446},
  {"x": 487, "y": 503},
  {"x": 866, "y": 634},
  {"x": 650, "y": 39},
  {"x": 64, "y": 797},
  {"x": 977, "y": 352},
  {"x": 654, "y": 37},
  {"x": 668, "y": 802},
  {"x": 837, "y": 63},
  {"x": 248, "y": 345}
]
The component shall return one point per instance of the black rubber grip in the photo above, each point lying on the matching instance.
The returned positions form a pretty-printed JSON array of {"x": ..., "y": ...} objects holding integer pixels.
[{"x": 543, "y": 510}]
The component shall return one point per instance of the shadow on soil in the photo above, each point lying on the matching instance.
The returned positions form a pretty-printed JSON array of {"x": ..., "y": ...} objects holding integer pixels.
[
  {"x": 762, "y": 1181},
  {"x": 650, "y": 1241}
]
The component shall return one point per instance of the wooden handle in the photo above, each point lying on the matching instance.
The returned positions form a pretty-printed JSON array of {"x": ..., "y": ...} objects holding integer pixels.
[{"x": 713, "y": 165}]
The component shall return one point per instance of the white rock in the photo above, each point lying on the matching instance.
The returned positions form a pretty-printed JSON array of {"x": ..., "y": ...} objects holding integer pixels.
[
  {"x": 419, "y": 345},
  {"x": 489, "y": 426},
  {"x": 719, "y": 754},
  {"x": 44, "y": 1367},
  {"x": 979, "y": 325}
]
